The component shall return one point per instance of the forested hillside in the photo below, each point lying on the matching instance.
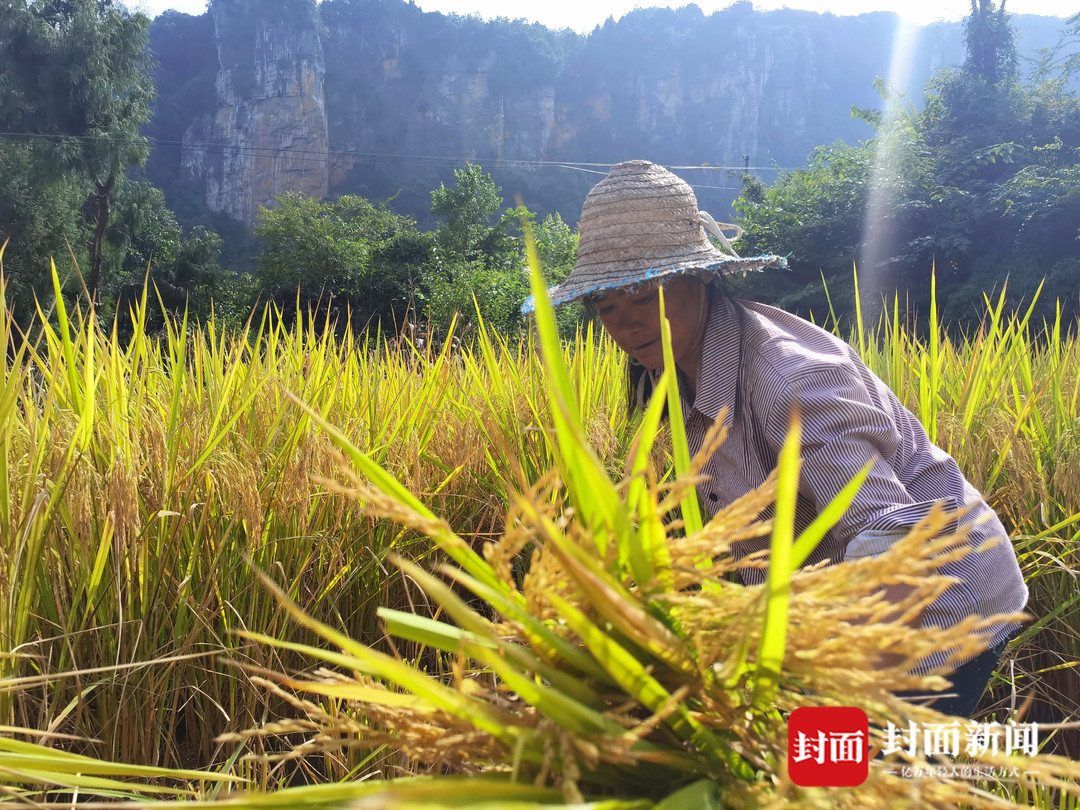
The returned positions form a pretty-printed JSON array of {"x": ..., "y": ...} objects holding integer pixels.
[
  {"x": 373, "y": 157},
  {"x": 980, "y": 183},
  {"x": 377, "y": 98}
]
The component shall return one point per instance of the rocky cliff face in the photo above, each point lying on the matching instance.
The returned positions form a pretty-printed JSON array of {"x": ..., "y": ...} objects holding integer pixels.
[
  {"x": 378, "y": 98},
  {"x": 676, "y": 87},
  {"x": 268, "y": 134}
]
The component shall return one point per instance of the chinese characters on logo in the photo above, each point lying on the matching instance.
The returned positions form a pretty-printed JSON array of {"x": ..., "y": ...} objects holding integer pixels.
[
  {"x": 971, "y": 739},
  {"x": 828, "y": 746}
]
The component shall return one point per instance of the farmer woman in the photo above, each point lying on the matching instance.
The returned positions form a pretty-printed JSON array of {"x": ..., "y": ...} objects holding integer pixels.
[{"x": 640, "y": 228}]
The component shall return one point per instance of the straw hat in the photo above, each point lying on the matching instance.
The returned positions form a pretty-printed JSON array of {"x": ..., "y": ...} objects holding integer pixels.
[{"x": 639, "y": 224}]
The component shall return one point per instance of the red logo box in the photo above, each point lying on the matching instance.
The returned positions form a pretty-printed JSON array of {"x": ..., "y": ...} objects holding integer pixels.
[{"x": 827, "y": 746}]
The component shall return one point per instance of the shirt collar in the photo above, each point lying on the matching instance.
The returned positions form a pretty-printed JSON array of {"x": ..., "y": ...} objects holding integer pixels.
[{"x": 718, "y": 373}]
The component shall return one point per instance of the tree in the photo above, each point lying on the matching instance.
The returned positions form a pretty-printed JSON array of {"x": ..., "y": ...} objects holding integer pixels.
[
  {"x": 815, "y": 212},
  {"x": 39, "y": 219},
  {"x": 477, "y": 254},
  {"x": 77, "y": 86},
  {"x": 990, "y": 43},
  {"x": 143, "y": 232},
  {"x": 979, "y": 185},
  {"x": 556, "y": 249},
  {"x": 976, "y": 115},
  {"x": 146, "y": 244},
  {"x": 348, "y": 258},
  {"x": 468, "y": 232},
  {"x": 1005, "y": 153},
  {"x": 1070, "y": 63}
]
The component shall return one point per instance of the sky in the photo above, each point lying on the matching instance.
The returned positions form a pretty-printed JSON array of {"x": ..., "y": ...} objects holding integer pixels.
[{"x": 584, "y": 15}]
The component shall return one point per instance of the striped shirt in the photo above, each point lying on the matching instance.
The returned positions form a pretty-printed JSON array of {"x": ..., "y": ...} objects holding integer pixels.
[{"x": 759, "y": 361}]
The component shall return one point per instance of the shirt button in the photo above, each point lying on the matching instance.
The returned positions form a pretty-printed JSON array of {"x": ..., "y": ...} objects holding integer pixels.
[{"x": 713, "y": 497}]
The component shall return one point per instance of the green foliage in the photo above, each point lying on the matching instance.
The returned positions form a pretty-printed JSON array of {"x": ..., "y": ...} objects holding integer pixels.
[
  {"x": 814, "y": 212},
  {"x": 197, "y": 275},
  {"x": 76, "y": 89},
  {"x": 478, "y": 253},
  {"x": 813, "y": 215},
  {"x": 990, "y": 42},
  {"x": 1039, "y": 193},
  {"x": 184, "y": 270},
  {"x": 980, "y": 183},
  {"x": 348, "y": 259},
  {"x": 143, "y": 231},
  {"x": 468, "y": 208},
  {"x": 77, "y": 84},
  {"x": 145, "y": 241},
  {"x": 556, "y": 250},
  {"x": 353, "y": 257},
  {"x": 1070, "y": 65},
  {"x": 39, "y": 218}
]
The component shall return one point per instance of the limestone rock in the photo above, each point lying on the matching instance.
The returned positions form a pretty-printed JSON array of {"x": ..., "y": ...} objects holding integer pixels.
[{"x": 269, "y": 132}]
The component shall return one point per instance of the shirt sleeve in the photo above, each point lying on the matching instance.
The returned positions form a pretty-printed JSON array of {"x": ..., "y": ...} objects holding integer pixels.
[{"x": 843, "y": 428}]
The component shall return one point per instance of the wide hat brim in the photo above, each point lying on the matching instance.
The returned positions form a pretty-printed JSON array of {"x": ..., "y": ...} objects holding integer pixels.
[
  {"x": 641, "y": 225},
  {"x": 575, "y": 289}
]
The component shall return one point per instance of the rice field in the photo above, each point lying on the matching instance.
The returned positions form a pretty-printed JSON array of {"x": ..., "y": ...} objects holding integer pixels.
[{"x": 182, "y": 523}]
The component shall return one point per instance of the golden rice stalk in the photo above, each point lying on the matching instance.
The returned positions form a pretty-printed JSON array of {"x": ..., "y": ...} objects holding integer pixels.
[{"x": 625, "y": 666}]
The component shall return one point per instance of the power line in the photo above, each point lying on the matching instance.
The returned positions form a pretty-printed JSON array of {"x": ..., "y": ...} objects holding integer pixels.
[{"x": 367, "y": 158}]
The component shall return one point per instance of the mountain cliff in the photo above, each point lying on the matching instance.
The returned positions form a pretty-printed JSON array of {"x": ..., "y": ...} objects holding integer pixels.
[
  {"x": 378, "y": 98},
  {"x": 268, "y": 133}
]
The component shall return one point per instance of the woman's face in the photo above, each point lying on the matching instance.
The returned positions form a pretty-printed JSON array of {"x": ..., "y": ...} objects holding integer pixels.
[{"x": 633, "y": 320}]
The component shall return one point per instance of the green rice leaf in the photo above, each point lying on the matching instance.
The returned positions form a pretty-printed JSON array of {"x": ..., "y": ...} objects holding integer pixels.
[
  {"x": 522, "y": 657},
  {"x": 380, "y": 665},
  {"x": 19, "y": 770},
  {"x": 594, "y": 496},
  {"x": 652, "y": 541},
  {"x": 827, "y": 518},
  {"x": 636, "y": 681},
  {"x": 641, "y": 553},
  {"x": 567, "y": 713},
  {"x": 774, "y": 635},
  {"x": 699, "y": 795},
  {"x": 58, "y": 767},
  {"x": 615, "y": 603},
  {"x": 691, "y": 510},
  {"x": 548, "y": 644},
  {"x": 67, "y": 346},
  {"x": 429, "y": 632},
  {"x": 445, "y": 791}
]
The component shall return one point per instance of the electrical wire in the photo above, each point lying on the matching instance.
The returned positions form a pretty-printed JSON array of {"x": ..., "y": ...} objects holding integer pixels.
[{"x": 366, "y": 158}]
